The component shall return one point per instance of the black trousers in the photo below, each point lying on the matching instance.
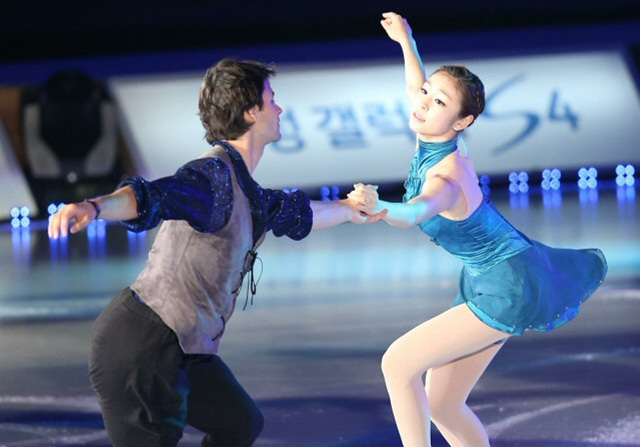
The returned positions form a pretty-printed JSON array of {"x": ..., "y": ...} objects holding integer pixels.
[{"x": 149, "y": 389}]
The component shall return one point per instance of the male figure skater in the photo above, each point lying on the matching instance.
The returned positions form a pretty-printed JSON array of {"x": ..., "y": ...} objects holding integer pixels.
[{"x": 154, "y": 361}]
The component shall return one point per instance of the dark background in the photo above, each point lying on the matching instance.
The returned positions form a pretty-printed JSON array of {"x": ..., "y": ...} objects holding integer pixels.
[{"x": 69, "y": 29}]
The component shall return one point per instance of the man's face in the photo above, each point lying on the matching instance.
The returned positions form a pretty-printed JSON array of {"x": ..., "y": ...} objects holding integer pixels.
[{"x": 267, "y": 122}]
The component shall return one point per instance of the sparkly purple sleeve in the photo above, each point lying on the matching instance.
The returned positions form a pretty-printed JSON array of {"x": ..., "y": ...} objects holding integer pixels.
[
  {"x": 200, "y": 193},
  {"x": 289, "y": 213}
]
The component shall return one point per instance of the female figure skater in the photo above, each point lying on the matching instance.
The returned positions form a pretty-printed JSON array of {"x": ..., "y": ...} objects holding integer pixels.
[{"x": 509, "y": 283}]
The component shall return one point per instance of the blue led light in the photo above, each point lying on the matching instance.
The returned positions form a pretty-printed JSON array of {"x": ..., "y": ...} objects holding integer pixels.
[
  {"x": 60, "y": 206},
  {"x": 52, "y": 208},
  {"x": 582, "y": 183},
  {"x": 15, "y": 222},
  {"x": 15, "y": 212},
  {"x": 25, "y": 221},
  {"x": 551, "y": 179},
  {"x": 624, "y": 175},
  {"x": 588, "y": 178},
  {"x": 335, "y": 193},
  {"x": 324, "y": 193},
  {"x": 24, "y": 211},
  {"x": 518, "y": 182}
]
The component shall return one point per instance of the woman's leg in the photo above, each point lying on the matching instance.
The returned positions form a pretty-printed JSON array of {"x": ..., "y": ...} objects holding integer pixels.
[
  {"x": 446, "y": 337},
  {"x": 448, "y": 388}
]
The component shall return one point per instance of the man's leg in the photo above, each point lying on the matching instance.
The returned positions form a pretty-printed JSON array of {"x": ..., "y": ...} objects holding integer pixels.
[
  {"x": 219, "y": 406},
  {"x": 134, "y": 368}
]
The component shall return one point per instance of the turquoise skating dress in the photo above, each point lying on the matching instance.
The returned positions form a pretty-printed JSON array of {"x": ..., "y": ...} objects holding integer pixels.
[{"x": 510, "y": 282}]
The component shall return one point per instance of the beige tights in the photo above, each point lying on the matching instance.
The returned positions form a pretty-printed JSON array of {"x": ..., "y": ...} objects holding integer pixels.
[{"x": 455, "y": 348}]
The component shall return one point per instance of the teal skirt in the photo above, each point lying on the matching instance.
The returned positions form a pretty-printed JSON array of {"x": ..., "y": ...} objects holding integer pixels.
[{"x": 540, "y": 288}]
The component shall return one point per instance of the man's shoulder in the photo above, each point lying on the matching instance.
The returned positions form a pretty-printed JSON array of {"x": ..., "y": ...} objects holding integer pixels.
[{"x": 216, "y": 151}]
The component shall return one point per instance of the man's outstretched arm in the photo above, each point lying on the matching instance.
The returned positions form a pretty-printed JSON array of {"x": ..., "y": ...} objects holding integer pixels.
[
  {"x": 119, "y": 205},
  {"x": 330, "y": 214}
]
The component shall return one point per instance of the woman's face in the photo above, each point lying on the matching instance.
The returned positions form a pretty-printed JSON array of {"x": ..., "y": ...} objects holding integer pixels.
[{"x": 435, "y": 109}]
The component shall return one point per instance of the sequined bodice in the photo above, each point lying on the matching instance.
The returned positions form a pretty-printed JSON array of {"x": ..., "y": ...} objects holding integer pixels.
[{"x": 482, "y": 240}]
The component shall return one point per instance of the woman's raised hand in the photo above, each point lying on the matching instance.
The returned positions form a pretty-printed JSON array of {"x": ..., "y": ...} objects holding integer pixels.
[{"x": 396, "y": 26}]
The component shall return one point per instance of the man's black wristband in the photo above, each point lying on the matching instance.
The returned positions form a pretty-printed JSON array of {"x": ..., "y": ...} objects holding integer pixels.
[{"x": 95, "y": 206}]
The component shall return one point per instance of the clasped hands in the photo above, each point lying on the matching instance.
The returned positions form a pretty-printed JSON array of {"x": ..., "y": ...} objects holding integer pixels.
[{"x": 364, "y": 199}]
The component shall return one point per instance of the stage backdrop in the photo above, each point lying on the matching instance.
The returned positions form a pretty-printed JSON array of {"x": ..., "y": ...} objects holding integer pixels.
[
  {"x": 15, "y": 190},
  {"x": 349, "y": 122}
]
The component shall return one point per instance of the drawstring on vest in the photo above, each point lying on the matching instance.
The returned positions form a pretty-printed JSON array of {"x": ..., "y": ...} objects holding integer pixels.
[{"x": 253, "y": 284}]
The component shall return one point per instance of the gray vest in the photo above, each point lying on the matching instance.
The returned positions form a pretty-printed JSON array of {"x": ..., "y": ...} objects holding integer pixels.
[{"x": 192, "y": 279}]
